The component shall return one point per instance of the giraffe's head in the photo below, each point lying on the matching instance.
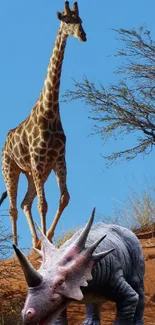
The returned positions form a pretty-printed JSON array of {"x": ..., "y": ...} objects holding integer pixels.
[{"x": 71, "y": 22}]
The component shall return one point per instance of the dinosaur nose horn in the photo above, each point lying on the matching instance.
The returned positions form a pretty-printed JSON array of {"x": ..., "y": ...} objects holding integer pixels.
[
  {"x": 75, "y": 8},
  {"x": 66, "y": 8},
  {"x": 80, "y": 242},
  {"x": 33, "y": 278}
]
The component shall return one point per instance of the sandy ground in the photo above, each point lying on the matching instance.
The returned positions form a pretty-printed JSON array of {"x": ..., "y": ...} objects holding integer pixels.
[{"x": 76, "y": 312}]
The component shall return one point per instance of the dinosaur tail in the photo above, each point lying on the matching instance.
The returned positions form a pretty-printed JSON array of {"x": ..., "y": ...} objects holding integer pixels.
[{"x": 3, "y": 197}]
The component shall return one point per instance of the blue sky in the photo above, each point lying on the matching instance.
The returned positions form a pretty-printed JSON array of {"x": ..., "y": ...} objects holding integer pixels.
[{"x": 28, "y": 31}]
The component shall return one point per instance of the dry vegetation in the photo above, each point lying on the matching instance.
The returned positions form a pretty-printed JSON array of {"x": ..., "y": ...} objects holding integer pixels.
[{"x": 138, "y": 211}]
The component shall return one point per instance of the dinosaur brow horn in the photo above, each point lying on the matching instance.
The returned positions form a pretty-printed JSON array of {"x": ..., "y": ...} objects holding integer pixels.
[
  {"x": 80, "y": 242},
  {"x": 91, "y": 248},
  {"x": 66, "y": 8},
  {"x": 75, "y": 8},
  {"x": 33, "y": 278},
  {"x": 99, "y": 256}
]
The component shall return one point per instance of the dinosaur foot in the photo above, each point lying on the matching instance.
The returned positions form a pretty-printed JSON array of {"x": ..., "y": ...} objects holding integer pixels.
[
  {"x": 62, "y": 319},
  {"x": 124, "y": 322},
  {"x": 91, "y": 321}
]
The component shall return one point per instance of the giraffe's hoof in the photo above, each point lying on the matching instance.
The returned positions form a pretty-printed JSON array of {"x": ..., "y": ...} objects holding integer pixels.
[
  {"x": 37, "y": 244},
  {"x": 49, "y": 236}
]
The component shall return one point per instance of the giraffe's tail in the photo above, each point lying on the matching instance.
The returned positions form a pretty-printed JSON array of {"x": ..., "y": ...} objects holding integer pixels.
[{"x": 3, "y": 197}]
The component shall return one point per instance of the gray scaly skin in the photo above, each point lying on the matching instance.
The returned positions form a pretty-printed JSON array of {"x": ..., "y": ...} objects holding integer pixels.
[{"x": 104, "y": 263}]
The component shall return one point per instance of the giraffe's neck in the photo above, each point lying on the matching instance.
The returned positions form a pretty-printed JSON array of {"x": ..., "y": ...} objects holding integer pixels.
[{"x": 50, "y": 91}]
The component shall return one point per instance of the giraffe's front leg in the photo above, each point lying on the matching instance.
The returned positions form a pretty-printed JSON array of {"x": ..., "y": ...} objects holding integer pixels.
[
  {"x": 39, "y": 180},
  {"x": 92, "y": 315},
  {"x": 61, "y": 173}
]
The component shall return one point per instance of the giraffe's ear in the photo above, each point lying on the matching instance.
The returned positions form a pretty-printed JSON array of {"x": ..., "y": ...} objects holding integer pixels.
[
  {"x": 59, "y": 15},
  {"x": 63, "y": 18}
]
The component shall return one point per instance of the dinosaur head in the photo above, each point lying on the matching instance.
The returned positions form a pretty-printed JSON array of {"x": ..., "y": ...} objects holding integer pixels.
[
  {"x": 59, "y": 280},
  {"x": 71, "y": 22}
]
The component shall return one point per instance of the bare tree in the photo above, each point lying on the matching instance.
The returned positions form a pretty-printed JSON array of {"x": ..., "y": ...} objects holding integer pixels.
[
  {"x": 5, "y": 241},
  {"x": 127, "y": 107}
]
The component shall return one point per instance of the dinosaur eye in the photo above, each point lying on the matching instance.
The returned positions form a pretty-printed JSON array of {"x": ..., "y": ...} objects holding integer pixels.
[{"x": 61, "y": 282}]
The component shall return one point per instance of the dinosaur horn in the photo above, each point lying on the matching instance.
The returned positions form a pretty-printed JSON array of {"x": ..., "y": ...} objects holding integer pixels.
[
  {"x": 80, "y": 242},
  {"x": 33, "y": 278},
  {"x": 99, "y": 256},
  {"x": 91, "y": 248},
  {"x": 75, "y": 8},
  {"x": 66, "y": 8}
]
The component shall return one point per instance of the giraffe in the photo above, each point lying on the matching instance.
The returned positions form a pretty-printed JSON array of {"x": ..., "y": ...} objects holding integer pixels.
[{"x": 37, "y": 145}]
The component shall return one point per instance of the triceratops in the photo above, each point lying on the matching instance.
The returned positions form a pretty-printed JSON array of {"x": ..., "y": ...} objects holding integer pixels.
[{"x": 101, "y": 263}]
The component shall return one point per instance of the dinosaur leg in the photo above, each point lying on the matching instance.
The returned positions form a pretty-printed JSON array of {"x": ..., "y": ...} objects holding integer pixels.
[
  {"x": 138, "y": 319},
  {"x": 138, "y": 285},
  {"x": 126, "y": 302},
  {"x": 92, "y": 314},
  {"x": 62, "y": 319}
]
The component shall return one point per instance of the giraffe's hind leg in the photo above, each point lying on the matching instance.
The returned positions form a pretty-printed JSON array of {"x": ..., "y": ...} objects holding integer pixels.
[
  {"x": 26, "y": 206},
  {"x": 11, "y": 174},
  {"x": 61, "y": 173}
]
